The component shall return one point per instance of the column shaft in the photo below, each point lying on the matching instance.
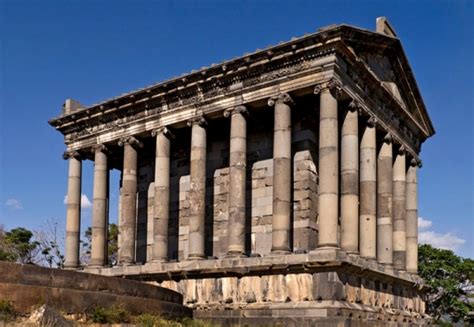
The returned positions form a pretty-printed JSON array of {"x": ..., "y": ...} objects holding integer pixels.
[
  {"x": 197, "y": 193},
  {"x": 328, "y": 171},
  {"x": 237, "y": 178},
  {"x": 412, "y": 219},
  {"x": 73, "y": 214},
  {"x": 100, "y": 205},
  {"x": 350, "y": 182},
  {"x": 368, "y": 192},
  {"x": 399, "y": 212},
  {"x": 281, "y": 173},
  {"x": 384, "y": 204},
  {"x": 127, "y": 229},
  {"x": 162, "y": 195}
]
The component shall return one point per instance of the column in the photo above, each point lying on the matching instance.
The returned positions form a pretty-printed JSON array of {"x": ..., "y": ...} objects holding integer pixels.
[
  {"x": 368, "y": 191},
  {"x": 384, "y": 202},
  {"x": 281, "y": 220},
  {"x": 328, "y": 168},
  {"x": 197, "y": 193},
  {"x": 350, "y": 180},
  {"x": 412, "y": 217},
  {"x": 73, "y": 214},
  {"x": 162, "y": 194},
  {"x": 399, "y": 210},
  {"x": 100, "y": 208},
  {"x": 128, "y": 222},
  {"x": 237, "y": 178}
]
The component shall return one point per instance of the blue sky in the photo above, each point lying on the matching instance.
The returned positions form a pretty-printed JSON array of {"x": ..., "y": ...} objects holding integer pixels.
[{"x": 93, "y": 50}]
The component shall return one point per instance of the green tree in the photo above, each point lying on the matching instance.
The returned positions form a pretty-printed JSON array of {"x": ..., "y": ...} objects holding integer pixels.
[
  {"x": 6, "y": 251},
  {"x": 19, "y": 246},
  {"x": 448, "y": 277},
  {"x": 112, "y": 239}
]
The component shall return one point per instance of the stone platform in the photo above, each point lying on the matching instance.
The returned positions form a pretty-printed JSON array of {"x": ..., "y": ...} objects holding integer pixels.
[
  {"x": 28, "y": 286},
  {"x": 324, "y": 286}
]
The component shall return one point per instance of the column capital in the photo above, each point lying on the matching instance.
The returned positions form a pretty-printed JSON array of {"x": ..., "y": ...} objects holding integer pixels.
[
  {"x": 388, "y": 138},
  {"x": 354, "y": 105},
  {"x": 332, "y": 86},
  {"x": 131, "y": 141},
  {"x": 235, "y": 110},
  {"x": 162, "y": 130},
  {"x": 402, "y": 150},
  {"x": 198, "y": 120},
  {"x": 282, "y": 98},
  {"x": 99, "y": 148},
  {"x": 372, "y": 122},
  {"x": 72, "y": 154},
  {"x": 416, "y": 162}
]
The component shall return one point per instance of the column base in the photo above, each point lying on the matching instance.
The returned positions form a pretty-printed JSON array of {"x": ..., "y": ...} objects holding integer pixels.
[
  {"x": 231, "y": 255},
  {"x": 279, "y": 252},
  {"x": 196, "y": 256},
  {"x": 158, "y": 260}
]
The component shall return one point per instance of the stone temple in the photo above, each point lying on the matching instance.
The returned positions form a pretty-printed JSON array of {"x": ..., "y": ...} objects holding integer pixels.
[{"x": 278, "y": 186}]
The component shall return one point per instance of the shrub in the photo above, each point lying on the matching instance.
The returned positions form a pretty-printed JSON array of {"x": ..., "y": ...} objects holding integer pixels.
[{"x": 112, "y": 315}]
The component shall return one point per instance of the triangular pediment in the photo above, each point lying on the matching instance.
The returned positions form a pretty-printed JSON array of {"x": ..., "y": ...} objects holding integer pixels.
[{"x": 385, "y": 58}]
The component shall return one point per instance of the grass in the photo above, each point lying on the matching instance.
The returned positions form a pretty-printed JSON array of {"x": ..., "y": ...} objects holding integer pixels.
[{"x": 115, "y": 315}]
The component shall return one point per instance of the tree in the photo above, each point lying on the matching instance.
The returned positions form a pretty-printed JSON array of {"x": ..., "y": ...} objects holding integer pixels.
[
  {"x": 112, "y": 240},
  {"x": 448, "y": 277},
  {"x": 6, "y": 251},
  {"x": 18, "y": 246},
  {"x": 50, "y": 244}
]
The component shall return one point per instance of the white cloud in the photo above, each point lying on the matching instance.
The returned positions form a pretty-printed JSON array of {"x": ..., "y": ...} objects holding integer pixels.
[
  {"x": 424, "y": 223},
  {"x": 14, "y": 204},
  {"x": 446, "y": 241},
  {"x": 85, "y": 202}
]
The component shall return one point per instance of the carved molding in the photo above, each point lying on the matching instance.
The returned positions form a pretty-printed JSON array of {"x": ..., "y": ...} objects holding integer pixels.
[
  {"x": 131, "y": 141},
  {"x": 332, "y": 86},
  {"x": 402, "y": 150},
  {"x": 282, "y": 98},
  {"x": 162, "y": 130},
  {"x": 198, "y": 120},
  {"x": 236, "y": 110}
]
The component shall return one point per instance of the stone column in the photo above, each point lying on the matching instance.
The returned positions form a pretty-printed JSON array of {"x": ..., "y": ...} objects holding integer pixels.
[
  {"x": 128, "y": 222},
  {"x": 412, "y": 217},
  {"x": 237, "y": 179},
  {"x": 197, "y": 193},
  {"x": 281, "y": 223},
  {"x": 73, "y": 214},
  {"x": 162, "y": 194},
  {"x": 100, "y": 208},
  {"x": 399, "y": 210},
  {"x": 368, "y": 191},
  {"x": 350, "y": 180},
  {"x": 328, "y": 167},
  {"x": 384, "y": 202}
]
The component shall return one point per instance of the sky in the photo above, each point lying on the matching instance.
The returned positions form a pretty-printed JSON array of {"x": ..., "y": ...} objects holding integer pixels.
[{"x": 93, "y": 50}]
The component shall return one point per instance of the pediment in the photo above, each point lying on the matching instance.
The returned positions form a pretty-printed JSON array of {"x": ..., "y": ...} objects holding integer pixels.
[{"x": 385, "y": 58}]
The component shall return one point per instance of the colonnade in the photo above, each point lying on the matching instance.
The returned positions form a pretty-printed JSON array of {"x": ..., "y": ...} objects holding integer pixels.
[{"x": 367, "y": 195}]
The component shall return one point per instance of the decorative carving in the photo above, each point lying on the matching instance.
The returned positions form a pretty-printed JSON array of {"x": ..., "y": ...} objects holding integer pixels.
[
  {"x": 130, "y": 140},
  {"x": 416, "y": 162},
  {"x": 162, "y": 130},
  {"x": 199, "y": 120},
  {"x": 235, "y": 110},
  {"x": 72, "y": 154},
  {"x": 282, "y": 98}
]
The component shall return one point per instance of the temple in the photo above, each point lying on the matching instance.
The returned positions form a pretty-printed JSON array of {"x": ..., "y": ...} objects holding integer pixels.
[{"x": 278, "y": 185}]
